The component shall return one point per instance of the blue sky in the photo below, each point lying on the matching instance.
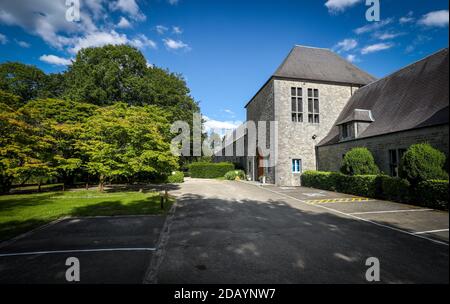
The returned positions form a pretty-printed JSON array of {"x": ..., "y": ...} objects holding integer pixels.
[{"x": 225, "y": 49}]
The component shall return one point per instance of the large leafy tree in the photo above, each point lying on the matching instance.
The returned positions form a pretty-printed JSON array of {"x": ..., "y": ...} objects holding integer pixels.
[
  {"x": 119, "y": 73},
  {"x": 60, "y": 124},
  {"x": 23, "y": 149},
  {"x": 126, "y": 141},
  {"x": 25, "y": 81}
]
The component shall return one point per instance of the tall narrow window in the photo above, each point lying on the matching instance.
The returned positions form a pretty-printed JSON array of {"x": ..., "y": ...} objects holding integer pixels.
[
  {"x": 313, "y": 106},
  {"x": 296, "y": 166},
  {"x": 297, "y": 104}
]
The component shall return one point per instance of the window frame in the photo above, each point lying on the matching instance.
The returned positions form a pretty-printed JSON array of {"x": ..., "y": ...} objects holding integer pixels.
[
  {"x": 297, "y": 166},
  {"x": 313, "y": 103},
  {"x": 296, "y": 100},
  {"x": 394, "y": 166}
]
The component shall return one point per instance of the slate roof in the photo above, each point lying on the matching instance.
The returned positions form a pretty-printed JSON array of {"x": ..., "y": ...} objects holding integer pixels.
[
  {"x": 413, "y": 97},
  {"x": 310, "y": 63},
  {"x": 316, "y": 64}
]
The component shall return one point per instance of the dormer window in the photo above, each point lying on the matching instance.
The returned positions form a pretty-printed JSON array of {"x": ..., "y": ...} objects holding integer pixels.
[{"x": 354, "y": 125}]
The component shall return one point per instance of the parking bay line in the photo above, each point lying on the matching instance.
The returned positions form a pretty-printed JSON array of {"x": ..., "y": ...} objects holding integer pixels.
[
  {"x": 391, "y": 211},
  {"x": 74, "y": 251},
  {"x": 431, "y": 231},
  {"x": 360, "y": 218}
]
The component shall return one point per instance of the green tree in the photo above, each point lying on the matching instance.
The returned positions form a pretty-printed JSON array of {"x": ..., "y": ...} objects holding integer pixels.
[
  {"x": 26, "y": 81},
  {"x": 422, "y": 162},
  {"x": 125, "y": 141},
  {"x": 59, "y": 123},
  {"x": 119, "y": 73},
  {"x": 10, "y": 100},
  {"x": 359, "y": 161}
]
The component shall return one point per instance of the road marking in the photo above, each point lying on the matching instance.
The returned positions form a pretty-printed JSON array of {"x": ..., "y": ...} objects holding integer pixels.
[
  {"x": 391, "y": 211},
  {"x": 431, "y": 231},
  {"x": 74, "y": 251},
  {"x": 338, "y": 200},
  {"x": 360, "y": 218}
]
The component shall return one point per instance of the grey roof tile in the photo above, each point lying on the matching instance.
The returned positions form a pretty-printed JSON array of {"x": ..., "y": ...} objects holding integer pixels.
[{"x": 413, "y": 97}]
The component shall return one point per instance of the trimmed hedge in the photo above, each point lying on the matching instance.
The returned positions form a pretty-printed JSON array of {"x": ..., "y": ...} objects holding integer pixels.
[
  {"x": 431, "y": 193},
  {"x": 209, "y": 170},
  {"x": 235, "y": 175},
  {"x": 177, "y": 177}
]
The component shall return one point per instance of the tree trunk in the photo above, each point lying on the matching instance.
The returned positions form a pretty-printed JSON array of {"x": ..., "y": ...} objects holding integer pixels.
[
  {"x": 87, "y": 183},
  {"x": 39, "y": 186},
  {"x": 101, "y": 184}
]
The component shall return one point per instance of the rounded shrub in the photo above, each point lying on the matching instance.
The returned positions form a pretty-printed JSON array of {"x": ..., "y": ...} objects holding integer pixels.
[
  {"x": 176, "y": 177},
  {"x": 235, "y": 175},
  {"x": 422, "y": 162},
  {"x": 359, "y": 161}
]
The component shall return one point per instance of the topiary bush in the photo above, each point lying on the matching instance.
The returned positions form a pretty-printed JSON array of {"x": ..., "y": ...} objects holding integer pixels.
[
  {"x": 359, "y": 161},
  {"x": 209, "y": 170},
  {"x": 422, "y": 162},
  {"x": 176, "y": 177},
  {"x": 432, "y": 194},
  {"x": 235, "y": 175}
]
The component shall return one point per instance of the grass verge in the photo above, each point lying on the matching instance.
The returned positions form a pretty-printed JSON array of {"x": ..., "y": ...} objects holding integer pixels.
[{"x": 23, "y": 212}]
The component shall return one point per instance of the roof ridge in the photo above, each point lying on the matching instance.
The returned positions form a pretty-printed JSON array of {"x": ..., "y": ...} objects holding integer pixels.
[
  {"x": 405, "y": 67},
  {"x": 311, "y": 47}
]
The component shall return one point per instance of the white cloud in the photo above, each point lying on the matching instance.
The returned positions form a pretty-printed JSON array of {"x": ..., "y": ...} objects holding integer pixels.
[
  {"x": 418, "y": 41},
  {"x": 98, "y": 39},
  {"x": 373, "y": 26},
  {"x": 129, "y": 7},
  {"x": 177, "y": 30},
  {"x": 55, "y": 60},
  {"x": 3, "y": 39},
  {"x": 141, "y": 41},
  {"x": 376, "y": 48},
  {"x": 124, "y": 23},
  {"x": 23, "y": 44},
  {"x": 387, "y": 35},
  {"x": 161, "y": 29},
  {"x": 173, "y": 2},
  {"x": 352, "y": 58},
  {"x": 346, "y": 45},
  {"x": 219, "y": 127},
  {"x": 407, "y": 19},
  {"x": 337, "y": 6},
  {"x": 46, "y": 20},
  {"x": 175, "y": 44},
  {"x": 435, "y": 19}
]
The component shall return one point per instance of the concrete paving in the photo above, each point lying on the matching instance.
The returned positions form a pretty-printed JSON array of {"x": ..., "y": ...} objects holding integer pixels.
[
  {"x": 110, "y": 250},
  {"x": 233, "y": 232}
]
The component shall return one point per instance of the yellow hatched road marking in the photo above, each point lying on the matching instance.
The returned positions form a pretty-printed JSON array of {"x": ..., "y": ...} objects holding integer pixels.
[{"x": 338, "y": 200}]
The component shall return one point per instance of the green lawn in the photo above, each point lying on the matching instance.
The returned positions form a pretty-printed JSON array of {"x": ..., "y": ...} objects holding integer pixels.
[{"x": 23, "y": 212}]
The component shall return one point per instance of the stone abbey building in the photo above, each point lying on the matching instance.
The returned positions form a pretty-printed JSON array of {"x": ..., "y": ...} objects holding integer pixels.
[{"x": 324, "y": 106}]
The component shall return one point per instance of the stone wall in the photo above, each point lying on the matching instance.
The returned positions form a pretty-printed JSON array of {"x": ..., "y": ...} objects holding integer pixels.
[
  {"x": 330, "y": 157},
  {"x": 261, "y": 108},
  {"x": 295, "y": 140}
]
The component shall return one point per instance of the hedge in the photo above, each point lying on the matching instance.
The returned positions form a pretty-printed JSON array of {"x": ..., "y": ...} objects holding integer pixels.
[
  {"x": 209, "y": 170},
  {"x": 177, "y": 177},
  {"x": 431, "y": 193}
]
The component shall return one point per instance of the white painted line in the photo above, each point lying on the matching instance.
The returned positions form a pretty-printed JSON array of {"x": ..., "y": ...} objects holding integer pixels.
[
  {"x": 360, "y": 218},
  {"x": 432, "y": 231},
  {"x": 75, "y": 251},
  {"x": 391, "y": 211}
]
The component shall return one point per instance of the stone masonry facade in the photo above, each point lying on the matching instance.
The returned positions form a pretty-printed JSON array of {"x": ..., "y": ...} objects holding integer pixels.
[
  {"x": 330, "y": 157},
  {"x": 295, "y": 140}
]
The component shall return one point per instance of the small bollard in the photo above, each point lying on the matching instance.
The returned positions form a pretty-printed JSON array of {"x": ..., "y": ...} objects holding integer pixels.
[{"x": 162, "y": 201}]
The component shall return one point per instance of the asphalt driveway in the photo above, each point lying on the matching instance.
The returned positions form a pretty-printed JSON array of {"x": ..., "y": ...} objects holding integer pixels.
[
  {"x": 109, "y": 249},
  {"x": 233, "y": 232}
]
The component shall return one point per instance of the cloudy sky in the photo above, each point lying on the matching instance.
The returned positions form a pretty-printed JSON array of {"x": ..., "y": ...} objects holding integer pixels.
[{"x": 225, "y": 49}]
